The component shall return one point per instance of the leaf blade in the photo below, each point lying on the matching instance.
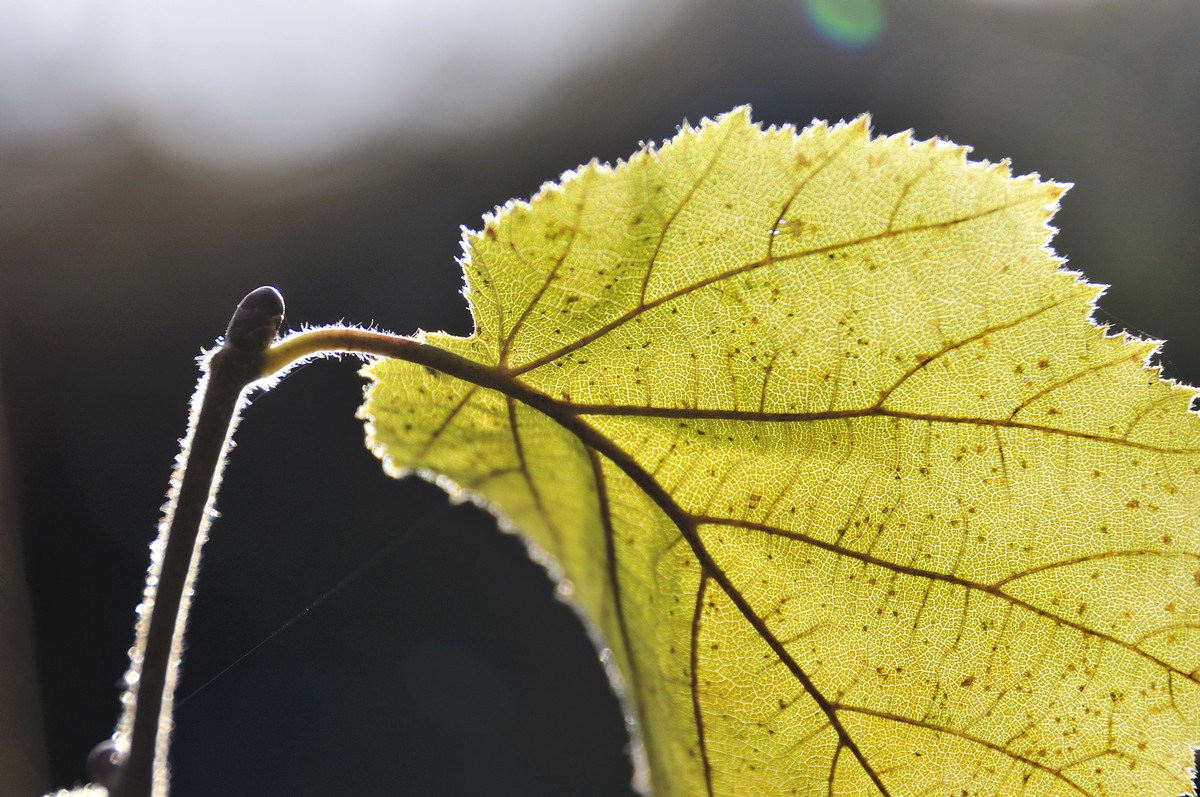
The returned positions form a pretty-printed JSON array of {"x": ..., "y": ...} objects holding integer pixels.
[{"x": 829, "y": 451}]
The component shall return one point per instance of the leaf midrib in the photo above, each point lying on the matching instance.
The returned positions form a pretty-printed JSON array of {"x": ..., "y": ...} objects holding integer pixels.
[{"x": 490, "y": 377}]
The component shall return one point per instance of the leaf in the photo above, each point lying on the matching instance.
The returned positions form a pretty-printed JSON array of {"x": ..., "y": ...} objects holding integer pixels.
[{"x": 824, "y": 444}]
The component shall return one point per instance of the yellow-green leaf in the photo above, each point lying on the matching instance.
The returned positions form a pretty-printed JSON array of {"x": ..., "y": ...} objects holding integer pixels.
[{"x": 825, "y": 445}]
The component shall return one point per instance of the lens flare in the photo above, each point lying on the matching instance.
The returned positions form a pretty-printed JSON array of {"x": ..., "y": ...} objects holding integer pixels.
[{"x": 856, "y": 23}]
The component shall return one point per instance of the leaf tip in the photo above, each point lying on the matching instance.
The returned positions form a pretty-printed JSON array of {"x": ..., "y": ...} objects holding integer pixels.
[
  {"x": 743, "y": 111},
  {"x": 860, "y": 123},
  {"x": 1057, "y": 191}
]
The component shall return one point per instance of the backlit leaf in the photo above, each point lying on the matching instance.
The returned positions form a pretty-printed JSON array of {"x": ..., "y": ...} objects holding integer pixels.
[{"x": 823, "y": 442}]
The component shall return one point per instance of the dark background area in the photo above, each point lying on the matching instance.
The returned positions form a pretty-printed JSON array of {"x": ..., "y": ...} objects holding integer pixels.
[{"x": 443, "y": 664}]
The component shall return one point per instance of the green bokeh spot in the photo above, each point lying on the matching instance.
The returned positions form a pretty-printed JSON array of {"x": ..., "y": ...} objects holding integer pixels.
[{"x": 854, "y": 22}]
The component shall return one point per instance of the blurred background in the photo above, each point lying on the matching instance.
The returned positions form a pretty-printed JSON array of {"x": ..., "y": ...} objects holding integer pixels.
[{"x": 160, "y": 160}]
